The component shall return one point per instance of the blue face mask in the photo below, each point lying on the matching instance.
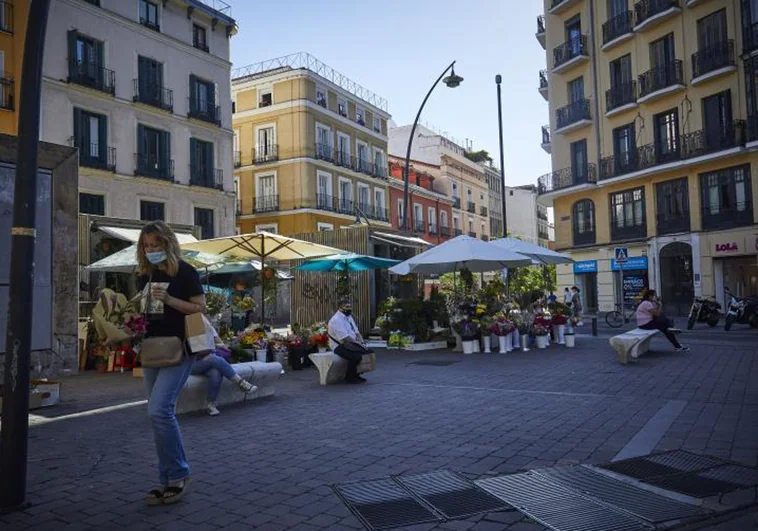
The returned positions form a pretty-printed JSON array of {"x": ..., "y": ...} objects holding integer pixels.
[{"x": 156, "y": 258}]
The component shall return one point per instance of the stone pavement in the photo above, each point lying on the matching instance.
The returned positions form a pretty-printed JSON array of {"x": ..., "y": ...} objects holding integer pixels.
[{"x": 269, "y": 464}]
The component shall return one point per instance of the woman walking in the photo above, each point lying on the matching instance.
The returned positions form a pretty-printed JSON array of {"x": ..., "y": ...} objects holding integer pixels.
[
  {"x": 649, "y": 318},
  {"x": 177, "y": 285},
  {"x": 576, "y": 305}
]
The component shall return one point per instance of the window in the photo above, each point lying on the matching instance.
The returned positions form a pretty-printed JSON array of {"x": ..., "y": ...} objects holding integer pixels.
[
  {"x": 432, "y": 216},
  {"x": 152, "y": 211},
  {"x": 201, "y": 164},
  {"x": 204, "y": 220},
  {"x": 93, "y": 204},
  {"x": 346, "y": 196},
  {"x": 712, "y": 33},
  {"x": 379, "y": 164},
  {"x": 379, "y": 198},
  {"x": 727, "y": 198},
  {"x": 576, "y": 90},
  {"x": 666, "y": 135},
  {"x": 628, "y": 214},
  {"x": 400, "y": 220},
  {"x": 377, "y": 124},
  {"x": 91, "y": 137},
  {"x": 265, "y": 97},
  {"x": 583, "y": 222},
  {"x": 199, "y": 38},
  {"x": 362, "y": 155},
  {"x": 624, "y": 149},
  {"x": 573, "y": 28},
  {"x": 324, "y": 190},
  {"x": 273, "y": 228},
  {"x": 364, "y": 198},
  {"x": 578, "y": 161},
  {"x": 623, "y": 90},
  {"x": 717, "y": 118},
  {"x": 265, "y": 150},
  {"x": 148, "y": 15},
  {"x": 323, "y": 142},
  {"x": 360, "y": 115},
  {"x": 150, "y": 88},
  {"x": 342, "y": 106},
  {"x": 662, "y": 52},
  {"x": 86, "y": 60},
  {"x": 203, "y": 100},
  {"x": 673, "y": 206},
  {"x": 617, "y": 8},
  {"x": 418, "y": 217},
  {"x": 266, "y": 194},
  {"x": 321, "y": 96},
  {"x": 154, "y": 153},
  {"x": 443, "y": 219},
  {"x": 343, "y": 149},
  {"x": 324, "y": 227}
]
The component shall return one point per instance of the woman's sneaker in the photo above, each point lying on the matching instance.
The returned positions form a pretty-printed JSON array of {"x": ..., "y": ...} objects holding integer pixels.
[
  {"x": 683, "y": 349},
  {"x": 210, "y": 407},
  {"x": 247, "y": 387}
]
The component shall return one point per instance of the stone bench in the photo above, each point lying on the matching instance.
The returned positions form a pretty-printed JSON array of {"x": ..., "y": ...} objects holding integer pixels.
[
  {"x": 263, "y": 375},
  {"x": 332, "y": 369},
  {"x": 632, "y": 344}
]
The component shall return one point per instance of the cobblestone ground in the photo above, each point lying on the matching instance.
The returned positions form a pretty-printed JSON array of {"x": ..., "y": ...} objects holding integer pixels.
[{"x": 269, "y": 464}]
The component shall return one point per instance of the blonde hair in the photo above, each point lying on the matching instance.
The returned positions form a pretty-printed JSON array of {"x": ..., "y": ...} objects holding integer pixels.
[{"x": 166, "y": 236}]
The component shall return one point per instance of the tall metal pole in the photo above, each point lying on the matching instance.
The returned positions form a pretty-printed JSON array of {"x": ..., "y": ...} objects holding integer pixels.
[
  {"x": 15, "y": 426},
  {"x": 406, "y": 169},
  {"x": 498, "y": 80}
]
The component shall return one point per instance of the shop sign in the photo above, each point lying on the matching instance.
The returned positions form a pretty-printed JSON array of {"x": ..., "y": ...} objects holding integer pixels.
[
  {"x": 633, "y": 286},
  {"x": 585, "y": 266},
  {"x": 732, "y": 247},
  {"x": 633, "y": 263}
]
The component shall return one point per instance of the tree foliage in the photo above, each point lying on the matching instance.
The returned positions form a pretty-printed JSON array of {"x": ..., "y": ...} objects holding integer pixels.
[{"x": 478, "y": 156}]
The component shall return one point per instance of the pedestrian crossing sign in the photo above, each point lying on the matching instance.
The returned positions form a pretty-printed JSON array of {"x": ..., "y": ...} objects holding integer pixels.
[{"x": 622, "y": 255}]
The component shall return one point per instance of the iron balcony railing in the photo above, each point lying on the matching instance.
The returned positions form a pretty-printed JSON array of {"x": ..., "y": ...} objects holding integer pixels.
[
  {"x": 669, "y": 223},
  {"x": 483, "y": 211},
  {"x": 444, "y": 230},
  {"x": 543, "y": 79},
  {"x": 326, "y": 202},
  {"x": 661, "y": 77},
  {"x": 541, "y": 24},
  {"x": 472, "y": 234},
  {"x": 204, "y": 110},
  {"x": 345, "y": 206},
  {"x": 7, "y": 86},
  {"x": 566, "y": 178},
  {"x": 752, "y": 127},
  {"x": 266, "y": 203},
  {"x": 541, "y": 215},
  {"x": 712, "y": 58},
  {"x": 573, "y": 113},
  {"x": 149, "y": 24},
  {"x": 6, "y": 17},
  {"x": 646, "y": 9},
  {"x": 154, "y": 95},
  {"x": 617, "y": 26},
  {"x": 207, "y": 177},
  {"x": 340, "y": 158},
  {"x": 457, "y": 232},
  {"x": 705, "y": 141},
  {"x": 456, "y": 202},
  {"x": 378, "y": 213},
  {"x": 418, "y": 226},
  {"x": 736, "y": 214},
  {"x": 237, "y": 159},
  {"x": 200, "y": 44},
  {"x": 620, "y": 95},
  {"x": 362, "y": 165},
  {"x": 266, "y": 153},
  {"x": 471, "y": 207},
  {"x": 155, "y": 166},
  {"x": 485, "y": 238},
  {"x": 93, "y": 76},
  {"x": 432, "y": 229},
  {"x": 545, "y": 134},
  {"x": 572, "y": 48},
  {"x": 95, "y": 155},
  {"x": 586, "y": 237}
]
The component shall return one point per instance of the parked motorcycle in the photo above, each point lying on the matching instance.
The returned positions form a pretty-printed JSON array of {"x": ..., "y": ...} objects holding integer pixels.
[
  {"x": 704, "y": 310},
  {"x": 742, "y": 310}
]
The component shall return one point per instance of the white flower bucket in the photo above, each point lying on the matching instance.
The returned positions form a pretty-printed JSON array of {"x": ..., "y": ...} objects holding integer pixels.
[
  {"x": 476, "y": 346},
  {"x": 260, "y": 355},
  {"x": 570, "y": 340},
  {"x": 486, "y": 344},
  {"x": 509, "y": 342},
  {"x": 468, "y": 347},
  {"x": 542, "y": 341},
  {"x": 560, "y": 332},
  {"x": 458, "y": 343},
  {"x": 501, "y": 344},
  {"x": 525, "y": 343},
  {"x": 516, "y": 339}
]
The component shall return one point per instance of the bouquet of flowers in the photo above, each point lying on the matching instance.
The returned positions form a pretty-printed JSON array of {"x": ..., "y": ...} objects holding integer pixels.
[
  {"x": 136, "y": 326},
  {"x": 466, "y": 328},
  {"x": 252, "y": 339},
  {"x": 559, "y": 313},
  {"x": 260, "y": 344},
  {"x": 214, "y": 302},
  {"x": 540, "y": 329},
  {"x": 521, "y": 321},
  {"x": 294, "y": 341},
  {"x": 320, "y": 335},
  {"x": 279, "y": 343},
  {"x": 541, "y": 321},
  {"x": 502, "y": 326},
  {"x": 243, "y": 303}
]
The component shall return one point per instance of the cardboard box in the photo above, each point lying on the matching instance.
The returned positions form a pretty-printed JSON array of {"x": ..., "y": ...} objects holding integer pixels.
[
  {"x": 137, "y": 372},
  {"x": 46, "y": 394}
]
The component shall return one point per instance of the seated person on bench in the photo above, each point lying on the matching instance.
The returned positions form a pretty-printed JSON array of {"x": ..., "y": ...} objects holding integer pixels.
[
  {"x": 345, "y": 340},
  {"x": 649, "y": 317}
]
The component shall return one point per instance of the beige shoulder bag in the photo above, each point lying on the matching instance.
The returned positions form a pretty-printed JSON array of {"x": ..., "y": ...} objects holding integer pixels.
[{"x": 157, "y": 352}]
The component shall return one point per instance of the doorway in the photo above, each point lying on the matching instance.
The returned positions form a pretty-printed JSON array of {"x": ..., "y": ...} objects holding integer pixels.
[
  {"x": 587, "y": 283},
  {"x": 677, "y": 287}
]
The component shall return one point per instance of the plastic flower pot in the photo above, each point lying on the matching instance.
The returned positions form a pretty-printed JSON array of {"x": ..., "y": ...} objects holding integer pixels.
[
  {"x": 559, "y": 331},
  {"x": 261, "y": 355},
  {"x": 515, "y": 339},
  {"x": 468, "y": 347},
  {"x": 486, "y": 344},
  {"x": 570, "y": 340},
  {"x": 501, "y": 344},
  {"x": 542, "y": 341},
  {"x": 525, "y": 343}
]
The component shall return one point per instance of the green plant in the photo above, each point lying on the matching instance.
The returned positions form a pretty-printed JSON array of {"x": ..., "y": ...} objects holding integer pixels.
[{"x": 478, "y": 156}]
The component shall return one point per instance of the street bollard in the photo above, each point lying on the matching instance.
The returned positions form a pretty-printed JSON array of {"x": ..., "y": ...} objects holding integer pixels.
[{"x": 594, "y": 326}]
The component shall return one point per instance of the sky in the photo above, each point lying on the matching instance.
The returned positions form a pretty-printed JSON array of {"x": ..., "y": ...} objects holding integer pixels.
[{"x": 398, "y": 48}]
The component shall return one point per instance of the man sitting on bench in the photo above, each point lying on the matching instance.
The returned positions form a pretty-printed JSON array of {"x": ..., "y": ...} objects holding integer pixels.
[
  {"x": 649, "y": 318},
  {"x": 346, "y": 341}
]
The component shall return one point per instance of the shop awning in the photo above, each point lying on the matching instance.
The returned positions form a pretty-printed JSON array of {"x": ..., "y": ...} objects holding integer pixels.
[
  {"x": 132, "y": 235},
  {"x": 402, "y": 241}
]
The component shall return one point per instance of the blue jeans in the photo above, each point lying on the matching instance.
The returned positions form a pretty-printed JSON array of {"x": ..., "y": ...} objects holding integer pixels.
[
  {"x": 215, "y": 368},
  {"x": 163, "y": 386}
]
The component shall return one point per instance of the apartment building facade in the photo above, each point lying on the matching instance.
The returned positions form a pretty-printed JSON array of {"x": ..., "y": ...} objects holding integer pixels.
[
  {"x": 527, "y": 217},
  {"x": 13, "y": 18},
  {"x": 460, "y": 179},
  {"x": 142, "y": 89},
  {"x": 495, "y": 185},
  {"x": 653, "y": 143},
  {"x": 310, "y": 148}
]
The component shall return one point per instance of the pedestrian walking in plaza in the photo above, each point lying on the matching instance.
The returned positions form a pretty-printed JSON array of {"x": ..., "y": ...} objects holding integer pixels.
[
  {"x": 649, "y": 317},
  {"x": 566, "y": 296},
  {"x": 172, "y": 290},
  {"x": 346, "y": 341},
  {"x": 576, "y": 305}
]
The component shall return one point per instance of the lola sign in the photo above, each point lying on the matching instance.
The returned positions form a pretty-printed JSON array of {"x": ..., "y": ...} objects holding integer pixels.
[{"x": 730, "y": 247}]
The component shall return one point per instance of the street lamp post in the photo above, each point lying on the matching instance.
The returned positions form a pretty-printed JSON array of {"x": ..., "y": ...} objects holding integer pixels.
[
  {"x": 498, "y": 80},
  {"x": 451, "y": 81}
]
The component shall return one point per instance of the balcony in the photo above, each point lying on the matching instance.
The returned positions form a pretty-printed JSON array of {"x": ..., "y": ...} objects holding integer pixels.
[
  {"x": 660, "y": 81},
  {"x": 672, "y": 223},
  {"x": 620, "y": 98},
  {"x": 713, "y": 61},
  {"x": 456, "y": 202},
  {"x": 617, "y": 30},
  {"x": 738, "y": 214},
  {"x": 237, "y": 159},
  {"x": 472, "y": 234},
  {"x": 207, "y": 177},
  {"x": 566, "y": 178},
  {"x": 95, "y": 156},
  {"x": 153, "y": 25},
  {"x": 432, "y": 230},
  {"x": 558, "y": 6},
  {"x": 326, "y": 202},
  {"x": 570, "y": 53},
  {"x": 471, "y": 207},
  {"x": 444, "y": 231},
  {"x": 6, "y": 93},
  {"x": 650, "y": 13},
  {"x": 345, "y": 206},
  {"x": 573, "y": 116},
  {"x": 705, "y": 141},
  {"x": 206, "y": 111},
  {"x": 92, "y": 76},
  {"x": 154, "y": 95},
  {"x": 546, "y": 145},
  {"x": 154, "y": 166},
  {"x": 541, "y": 30},
  {"x": 483, "y": 211},
  {"x": 543, "y": 83},
  {"x": 457, "y": 232},
  {"x": 266, "y": 153},
  {"x": 6, "y": 17},
  {"x": 266, "y": 203},
  {"x": 378, "y": 213},
  {"x": 418, "y": 227}
]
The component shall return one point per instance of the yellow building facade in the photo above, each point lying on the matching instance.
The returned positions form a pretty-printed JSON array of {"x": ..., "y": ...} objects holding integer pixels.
[
  {"x": 13, "y": 17},
  {"x": 310, "y": 148},
  {"x": 654, "y": 143}
]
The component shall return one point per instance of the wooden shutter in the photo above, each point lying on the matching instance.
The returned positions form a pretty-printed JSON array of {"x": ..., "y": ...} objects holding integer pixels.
[
  {"x": 209, "y": 173},
  {"x": 193, "y": 160},
  {"x": 102, "y": 133},
  {"x": 166, "y": 154},
  {"x": 141, "y": 142}
]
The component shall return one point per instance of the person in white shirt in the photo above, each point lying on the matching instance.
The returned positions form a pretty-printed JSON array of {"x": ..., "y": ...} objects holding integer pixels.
[{"x": 346, "y": 341}]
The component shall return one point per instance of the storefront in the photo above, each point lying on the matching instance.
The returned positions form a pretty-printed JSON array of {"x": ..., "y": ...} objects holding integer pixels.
[
  {"x": 633, "y": 280},
  {"x": 735, "y": 264},
  {"x": 585, "y": 277}
]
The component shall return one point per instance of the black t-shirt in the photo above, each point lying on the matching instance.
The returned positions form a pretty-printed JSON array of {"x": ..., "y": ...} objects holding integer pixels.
[{"x": 183, "y": 286}]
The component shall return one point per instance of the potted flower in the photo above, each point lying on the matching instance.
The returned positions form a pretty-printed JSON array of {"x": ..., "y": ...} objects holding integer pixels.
[
  {"x": 502, "y": 328},
  {"x": 253, "y": 341},
  {"x": 468, "y": 330},
  {"x": 541, "y": 331},
  {"x": 485, "y": 325},
  {"x": 320, "y": 336},
  {"x": 570, "y": 339},
  {"x": 516, "y": 319},
  {"x": 559, "y": 319}
]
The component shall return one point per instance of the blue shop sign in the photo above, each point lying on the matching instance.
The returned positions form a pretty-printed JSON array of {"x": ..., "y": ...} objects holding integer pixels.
[
  {"x": 633, "y": 263},
  {"x": 585, "y": 266}
]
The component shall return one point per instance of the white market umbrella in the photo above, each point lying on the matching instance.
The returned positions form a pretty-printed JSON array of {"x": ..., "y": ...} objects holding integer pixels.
[
  {"x": 543, "y": 255},
  {"x": 462, "y": 252},
  {"x": 125, "y": 261}
]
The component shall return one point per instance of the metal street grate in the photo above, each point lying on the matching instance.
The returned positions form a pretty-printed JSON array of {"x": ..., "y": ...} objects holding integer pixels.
[
  {"x": 743, "y": 476},
  {"x": 712, "y": 482},
  {"x": 648, "y": 505},
  {"x": 558, "y": 507},
  {"x": 383, "y": 504},
  {"x": 451, "y": 495},
  {"x": 664, "y": 464},
  {"x": 434, "y": 363}
]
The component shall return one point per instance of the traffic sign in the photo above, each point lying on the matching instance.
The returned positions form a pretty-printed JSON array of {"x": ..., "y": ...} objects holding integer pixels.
[{"x": 622, "y": 254}]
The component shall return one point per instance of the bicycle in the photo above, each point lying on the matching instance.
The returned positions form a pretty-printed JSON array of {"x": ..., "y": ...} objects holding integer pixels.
[{"x": 616, "y": 318}]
